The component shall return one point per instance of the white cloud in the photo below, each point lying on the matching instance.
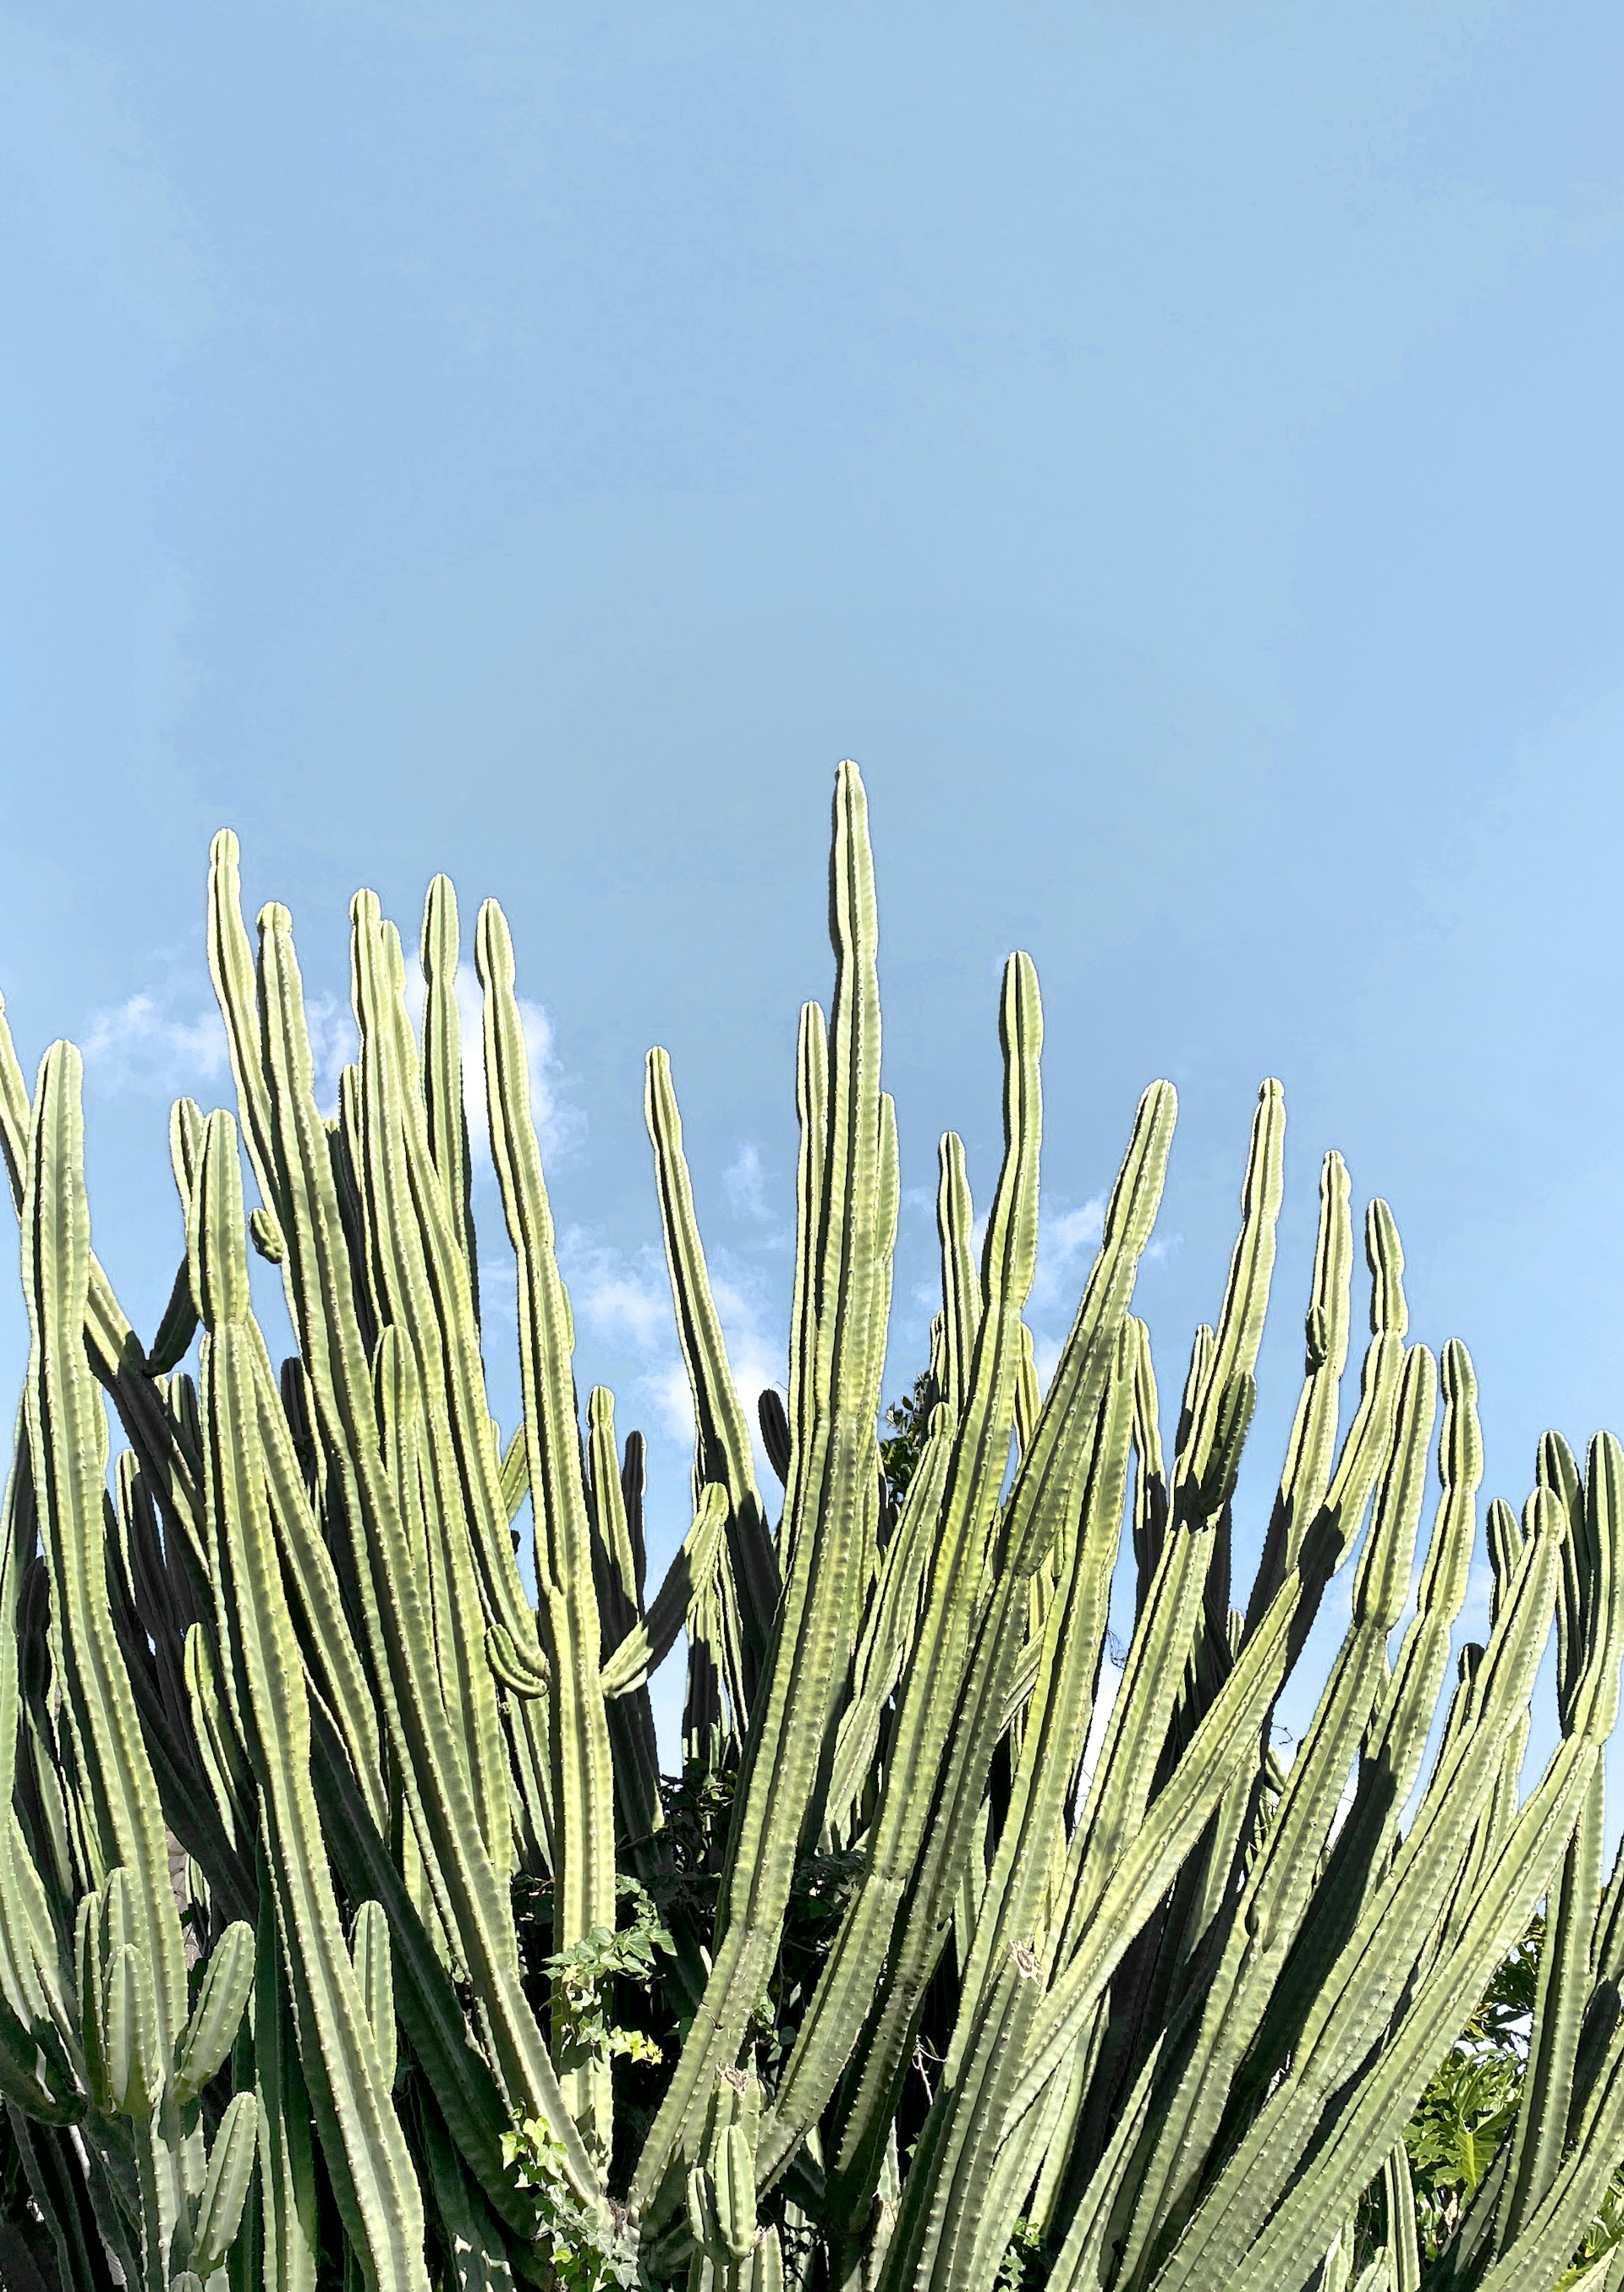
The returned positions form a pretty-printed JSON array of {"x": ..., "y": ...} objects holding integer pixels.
[{"x": 146, "y": 1044}]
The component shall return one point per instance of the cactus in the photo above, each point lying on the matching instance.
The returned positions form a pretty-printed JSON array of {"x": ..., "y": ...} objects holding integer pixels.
[{"x": 350, "y": 1934}]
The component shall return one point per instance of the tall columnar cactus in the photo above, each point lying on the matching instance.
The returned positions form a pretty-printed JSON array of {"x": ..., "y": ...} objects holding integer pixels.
[{"x": 350, "y": 1932}]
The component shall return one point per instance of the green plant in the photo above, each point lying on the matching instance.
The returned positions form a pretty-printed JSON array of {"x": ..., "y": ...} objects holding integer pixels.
[
  {"x": 583, "y": 1974},
  {"x": 350, "y": 1931},
  {"x": 585, "y": 2253},
  {"x": 1467, "y": 2108}
]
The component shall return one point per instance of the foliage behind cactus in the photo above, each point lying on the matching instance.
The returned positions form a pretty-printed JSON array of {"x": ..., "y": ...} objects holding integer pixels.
[{"x": 350, "y": 1932}]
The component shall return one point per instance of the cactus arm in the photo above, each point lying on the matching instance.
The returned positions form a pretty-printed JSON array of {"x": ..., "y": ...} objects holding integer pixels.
[
  {"x": 1239, "y": 1330},
  {"x": 42, "y": 1795},
  {"x": 942, "y": 1639},
  {"x": 1150, "y": 1523},
  {"x": 1023, "y": 2032},
  {"x": 1311, "y": 1445},
  {"x": 425, "y": 1299},
  {"x": 425, "y": 2001},
  {"x": 811, "y": 1115},
  {"x": 221, "y": 2000},
  {"x": 369, "y": 1953},
  {"x": 893, "y": 1617},
  {"x": 1377, "y": 1961},
  {"x": 582, "y": 1769},
  {"x": 1020, "y": 1885},
  {"x": 1591, "y": 1570},
  {"x": 1278, "y": 1884},
  {"x": 1403, "y": 2245},
  {"x": 723, "y": 1449},
  {"x": 432, "y": 1770},
  {"x": 116, "y": 1355},
  {"x": 617, "y": 1501},
  {"x": 463, "y": 1668},
  {"x": 40, "y": 2022},
  {"x": 515, "y": 1476},
  {"x": 889, "y": 1627},
  {"x": 68, "y": 1441},
  {"x": 688, "y": 1579},
  {"x": 1398, "y": 1738},
  {"x": 834, "y": 1403},
  {"x": 361, "y": 2139},
  {"x": 288, "y": 2225},
  {"x": 175, "y": 1330},
  {"x": 479, "y": 2261},
  {"x": 1375, "y": 2118},
  {"x": 1044, "y": 1491},
  {"x": 337, "y": 1669},
  {"x": 618, "y": 1573},
  {"x": 225, "y": 2188},
  {"x": 961, "y": 1289},
  {"x": 442, "y": 1073},
  {"x": 231, "y": 968}
]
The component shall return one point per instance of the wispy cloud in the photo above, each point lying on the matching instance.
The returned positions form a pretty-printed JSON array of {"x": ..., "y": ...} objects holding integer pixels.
[
  {"x": 756, "y": 1344},
  {"x": 333, "y": 1044},
  {"x": 170, "y": 1042},
  {"x": 1067, "y": 1240},
  {"x": 1477, "y": 1607},
  {"x": 144, "y": 1044},
  {"x": 622, "y": 1299},
  {"x": 746, "y": 1187}
]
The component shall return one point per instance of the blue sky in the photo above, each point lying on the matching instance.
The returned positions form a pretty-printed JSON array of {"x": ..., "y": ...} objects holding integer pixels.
[{"x": 1175, "y": 447}]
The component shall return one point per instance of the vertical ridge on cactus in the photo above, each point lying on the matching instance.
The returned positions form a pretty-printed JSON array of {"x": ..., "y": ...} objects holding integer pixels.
[{"x": 350, "y": 1934}]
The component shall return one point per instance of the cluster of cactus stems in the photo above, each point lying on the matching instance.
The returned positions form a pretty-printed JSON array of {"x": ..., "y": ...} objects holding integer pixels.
[{"x": 319, "y": 1701}]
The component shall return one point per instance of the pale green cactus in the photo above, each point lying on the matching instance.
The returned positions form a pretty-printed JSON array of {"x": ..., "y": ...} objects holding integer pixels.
[{"x": 960, "y": 1958}]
